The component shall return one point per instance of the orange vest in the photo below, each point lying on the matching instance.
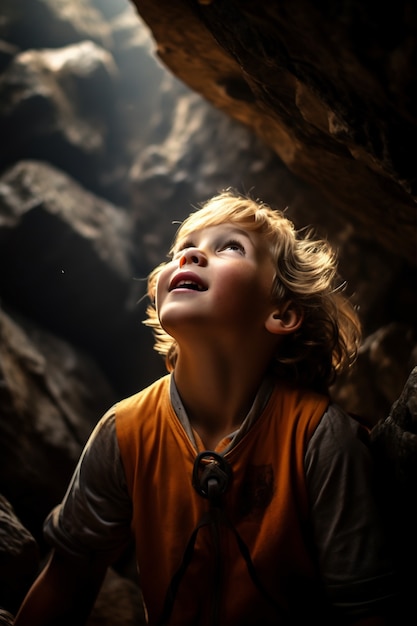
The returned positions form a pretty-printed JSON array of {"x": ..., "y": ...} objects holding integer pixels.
[{"x": 266, "y": 503}]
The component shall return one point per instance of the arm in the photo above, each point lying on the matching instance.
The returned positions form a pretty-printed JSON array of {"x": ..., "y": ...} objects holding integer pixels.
[
  {"x": 353, "y": 552},
  {"x": 62, "y": 591},
  {"x": 89, "y": 530}
]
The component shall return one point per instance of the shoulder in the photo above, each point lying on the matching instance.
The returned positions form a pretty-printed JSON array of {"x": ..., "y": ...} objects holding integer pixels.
[
  {"x": 298, "y": 410},
  {"x": 101, "y": 451},
  {"x": 341, "y": 426},
  {"x": 140, "y": 419},
  {"x": 339, "y": 437},
  {"x": 158, "y": 391}
]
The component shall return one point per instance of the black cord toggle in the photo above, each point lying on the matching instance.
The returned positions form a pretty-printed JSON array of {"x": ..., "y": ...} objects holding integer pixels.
[
  {"x": 211, "y": 475},
  {"x": 211, "y": 478}
]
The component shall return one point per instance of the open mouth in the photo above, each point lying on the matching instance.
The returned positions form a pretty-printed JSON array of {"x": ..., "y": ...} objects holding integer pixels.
[
  {"x": 187, "y": 280},
  {"x": 189, "y": 284}
]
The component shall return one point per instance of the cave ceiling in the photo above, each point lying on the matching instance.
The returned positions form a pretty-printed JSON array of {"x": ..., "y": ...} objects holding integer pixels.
[{"x": 330, "y": 87}]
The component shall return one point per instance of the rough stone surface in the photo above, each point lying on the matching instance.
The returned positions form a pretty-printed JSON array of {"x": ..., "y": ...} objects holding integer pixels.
[
  {"x": 119, "y": 602},
  {"x": 394, "y": 444},
  {"x": 57, "y": 87},
  {"x": 66, "y": 261},
  {"x": 331, "y": 89},
  {"x": 19, "y": 559},
  {"x": 51, "y": 396},
  {"x": 104, "y": 150}
]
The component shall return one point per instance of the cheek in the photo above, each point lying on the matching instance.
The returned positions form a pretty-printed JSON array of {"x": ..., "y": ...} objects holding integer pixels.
[
  {"x": 237, "y": 288},
  {"x": 161, "y": 287},
  {"x": 251, "y": 290}
]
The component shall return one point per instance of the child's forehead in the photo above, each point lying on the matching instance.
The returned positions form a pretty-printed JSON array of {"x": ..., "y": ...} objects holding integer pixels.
[{"x": 211, "y": 230}]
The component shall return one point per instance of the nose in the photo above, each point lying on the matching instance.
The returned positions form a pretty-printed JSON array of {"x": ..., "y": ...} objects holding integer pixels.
[{"x": 192, "y": 256}]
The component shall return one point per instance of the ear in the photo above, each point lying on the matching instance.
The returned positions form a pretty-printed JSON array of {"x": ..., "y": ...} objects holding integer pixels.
[{"x": 285, "y": 320}]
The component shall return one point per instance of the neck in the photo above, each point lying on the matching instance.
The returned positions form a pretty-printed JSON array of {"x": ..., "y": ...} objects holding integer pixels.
[{"x": 218, "y": 387}]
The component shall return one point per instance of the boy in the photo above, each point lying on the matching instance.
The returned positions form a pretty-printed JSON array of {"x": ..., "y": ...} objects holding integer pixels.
[{"x": 248, "y": 493}]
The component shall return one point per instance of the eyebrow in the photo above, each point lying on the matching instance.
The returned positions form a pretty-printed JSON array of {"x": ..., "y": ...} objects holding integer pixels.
[
  {"x": 231, "y": 229},
  {"x": 240, "y": 231}
]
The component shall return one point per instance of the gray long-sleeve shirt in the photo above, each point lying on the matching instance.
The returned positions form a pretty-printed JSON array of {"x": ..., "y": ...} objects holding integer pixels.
[{"x": 93, "y": 521}]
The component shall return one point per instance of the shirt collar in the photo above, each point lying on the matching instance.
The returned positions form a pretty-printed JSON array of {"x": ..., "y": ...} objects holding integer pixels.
[{"x": 234, "y": 437}]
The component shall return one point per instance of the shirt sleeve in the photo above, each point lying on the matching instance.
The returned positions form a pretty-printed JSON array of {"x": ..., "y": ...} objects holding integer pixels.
[
  {"x": 352, "y": 551},
  {"x": 93, "y": 521}
]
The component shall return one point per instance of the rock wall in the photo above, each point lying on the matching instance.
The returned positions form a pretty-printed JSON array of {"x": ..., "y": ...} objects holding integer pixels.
[
  {"x": 331, "y": 88},
  {"x": 103, "y": 148}
]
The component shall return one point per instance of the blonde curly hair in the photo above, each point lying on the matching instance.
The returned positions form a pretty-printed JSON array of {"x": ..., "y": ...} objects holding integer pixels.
[{"x": 327, "y": 342}]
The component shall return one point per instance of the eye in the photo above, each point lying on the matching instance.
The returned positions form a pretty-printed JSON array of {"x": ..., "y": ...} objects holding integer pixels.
[{"x": 234, "y": 245}]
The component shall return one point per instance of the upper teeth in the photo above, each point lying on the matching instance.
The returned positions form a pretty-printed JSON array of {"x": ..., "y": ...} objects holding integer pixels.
[{"x": 189, "y": 282}]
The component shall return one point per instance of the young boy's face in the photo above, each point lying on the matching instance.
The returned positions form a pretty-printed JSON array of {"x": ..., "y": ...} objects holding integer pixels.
[{"x": 220, "y": 278}]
